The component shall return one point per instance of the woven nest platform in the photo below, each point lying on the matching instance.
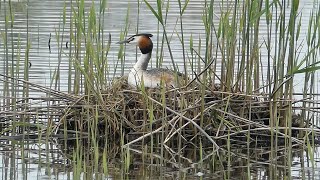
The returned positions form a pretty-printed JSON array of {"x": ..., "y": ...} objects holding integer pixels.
[{"x": 190, "y": 112}]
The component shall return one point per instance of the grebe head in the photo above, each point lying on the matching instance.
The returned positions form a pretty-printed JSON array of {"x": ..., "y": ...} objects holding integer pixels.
[{"x": 143, "y": 41}]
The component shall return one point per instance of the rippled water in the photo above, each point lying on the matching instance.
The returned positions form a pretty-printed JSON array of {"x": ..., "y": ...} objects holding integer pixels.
[{"x": 44, "y": 17}]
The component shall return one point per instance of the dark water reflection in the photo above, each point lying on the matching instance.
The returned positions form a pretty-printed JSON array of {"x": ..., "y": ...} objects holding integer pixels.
[{"x": 48, "y": 159}]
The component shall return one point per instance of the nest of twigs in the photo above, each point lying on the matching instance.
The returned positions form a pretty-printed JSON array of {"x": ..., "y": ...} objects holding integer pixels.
[{"x": 191, "y": 112}]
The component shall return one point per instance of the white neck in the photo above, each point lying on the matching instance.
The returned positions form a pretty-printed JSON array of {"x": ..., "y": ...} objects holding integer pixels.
[{"x": 143, "y": 61}]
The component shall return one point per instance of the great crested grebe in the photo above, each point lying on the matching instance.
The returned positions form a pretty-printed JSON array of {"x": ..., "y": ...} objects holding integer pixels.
[{"x": 153, "y": 77}]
